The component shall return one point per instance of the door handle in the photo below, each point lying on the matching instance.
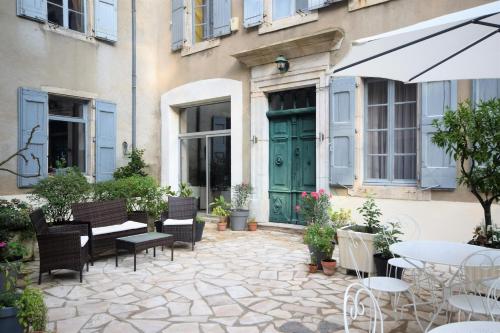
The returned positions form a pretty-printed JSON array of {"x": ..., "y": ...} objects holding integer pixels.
[{"x": 297, "y": 151}]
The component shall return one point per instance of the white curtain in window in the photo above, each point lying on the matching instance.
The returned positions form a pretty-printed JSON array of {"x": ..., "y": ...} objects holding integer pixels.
[{"x": 377, "y": 128}]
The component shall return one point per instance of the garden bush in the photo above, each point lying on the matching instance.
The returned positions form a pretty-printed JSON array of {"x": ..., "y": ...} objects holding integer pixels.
[
  {"x": 57, "y": 193},
  {"x": 135, "y": 166},
  {"x": 15, "y": 219}
]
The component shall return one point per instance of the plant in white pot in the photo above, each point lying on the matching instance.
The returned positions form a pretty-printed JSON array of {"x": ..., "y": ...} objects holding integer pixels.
[
  {"x": 371, "y": 214},
  {"x": 240, "y": 212}
]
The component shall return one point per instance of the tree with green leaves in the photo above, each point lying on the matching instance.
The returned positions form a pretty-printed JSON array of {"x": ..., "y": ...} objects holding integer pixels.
[
  {"x": 135, "y": 166},
  {"x": 472, "y": 136}
]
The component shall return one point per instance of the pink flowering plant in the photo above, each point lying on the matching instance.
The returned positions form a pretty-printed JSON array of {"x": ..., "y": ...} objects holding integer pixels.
[{"x": 314, "y": 207}]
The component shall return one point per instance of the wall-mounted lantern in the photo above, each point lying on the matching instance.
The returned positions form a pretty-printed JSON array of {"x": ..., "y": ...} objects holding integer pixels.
[
  {"x": 125, "y": 148},
  {"x": 282, "y": 64}
]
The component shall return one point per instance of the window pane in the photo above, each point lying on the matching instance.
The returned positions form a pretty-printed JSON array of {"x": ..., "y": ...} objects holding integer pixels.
[
  {"x": 405, "y": 141},
  {"x": 405, "y": 167},
  {"x": 301, "y": 98},
  {"x": 55, "y": 14},
  {"x": 311, "y": 93},
  {"x": 377, "y": 92},
  {"x": 288, "y": 100},
  {"x": 66, "y": 106},
  {"x": 275, "y": 101},
  {"x": 56, "y": 2},
  {"x": 405, "y": 115},
  {"x": 405, "y": 92},
  {"x": 377, "y": 142},
  {"x": 282, "y": 8},
  {"x": 66, "y": 145},
  {"x": 301, "y": 5},
  {"x": 377, "y": 117},
  {"x": 76, "y": 5},
  {"x": 76, "y": 21},
  {"x": 211, "y": 117},
  {"x": 377, "y": 167},
  {"x": 220, "y": 168},
  {"x": 202, "y": 26}
]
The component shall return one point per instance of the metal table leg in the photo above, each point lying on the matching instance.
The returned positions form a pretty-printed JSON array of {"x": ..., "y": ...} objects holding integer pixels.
[{"x": 135, "y": 260}]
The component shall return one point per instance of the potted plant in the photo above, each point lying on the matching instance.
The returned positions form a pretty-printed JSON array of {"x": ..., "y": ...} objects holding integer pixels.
[
  {"x": 222, "y": 214},
  {"x": 384, "y": 238},
  {"x": 200, "y": 226},
  {"x": 11, "y": 254},
  {"x": 8, "y": 312},
  {"x": 329, "y": 266},
  {"x": 313, "y": 265},
  {"x": 371, "y": 214},
  {"x": 239, "y": 213},
  {"x": 252, "y": 225},
  {"x": 319, "y": 238},
  {"x": 32, "y": 312}
]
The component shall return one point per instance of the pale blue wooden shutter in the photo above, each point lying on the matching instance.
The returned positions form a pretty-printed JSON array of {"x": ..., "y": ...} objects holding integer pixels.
[
  {"x": 438, "y": 169},
  {"x": 222, "y": 17},
  {"x": 177, "y": 24},
  {"x": 33, "y": 111},
  {"x": 106, "y": 20},
  {"x": 342, "y": 107},
  {"x": 253, "y": 13},
  {"x": 486, "y": 89},
  {"x": 105, "y": 140},
  {"x": 315, "y": 4},
  {"x": 32, "y": 9}
]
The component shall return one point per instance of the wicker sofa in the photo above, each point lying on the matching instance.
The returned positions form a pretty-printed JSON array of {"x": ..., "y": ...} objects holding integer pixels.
[
  {"x": 108, "y": 220},
  {"x": 179, "y": 220}
]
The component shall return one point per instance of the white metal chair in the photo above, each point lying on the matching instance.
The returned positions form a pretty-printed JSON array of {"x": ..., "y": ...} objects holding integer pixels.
[
  {"x": 476, "y": 285},
  {"x": 392, "y": 286},
  {"x": 360, "y": 301}
]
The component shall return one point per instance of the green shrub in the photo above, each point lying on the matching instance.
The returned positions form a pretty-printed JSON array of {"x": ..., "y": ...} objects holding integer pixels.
[
  {"x": 371, "y": 213},
  {"x": 241, "y": 195},
  {"x": 385, "y": 237},
  {"x": 140, "y": 193},
  {"x": 320, "y": 237},
  {"x": 135, "y": 166},
  {"x": 57, "y": 193},
  {"x": 220, "y": 211},
  {"x": 220, "y": 201},
  {"x": 185, "y": 191},
  {"x": 8, "y": 299},
  {"x": 32, "y": 312},
  {"x": 15, "y": 219}
]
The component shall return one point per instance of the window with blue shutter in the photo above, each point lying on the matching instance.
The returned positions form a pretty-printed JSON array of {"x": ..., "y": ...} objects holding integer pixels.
[
  {"x": 33, "y": 113},
  {"x": 342, "y": 106},
  {"x": 486, "y": 89},
  {"x": 177, "y": 24},
  {"x": 316, "y": 4},
  {"x": 221, "y": 17},
  {"x": 32, "y": 9},
  {"x": 105, "y": 140},
  {"x": 253, "y": 13},
  {"x": 438, "y": 169},
  {"x": 106, "y": 20}
]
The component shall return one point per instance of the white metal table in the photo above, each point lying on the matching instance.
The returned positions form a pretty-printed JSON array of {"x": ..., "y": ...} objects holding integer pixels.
[
  {"x": 435, "y": 252},
  {"x": 469, "y": 327}
]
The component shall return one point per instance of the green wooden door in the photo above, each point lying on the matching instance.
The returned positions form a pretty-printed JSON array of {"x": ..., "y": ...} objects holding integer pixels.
[{"x": 292, "y": 162}]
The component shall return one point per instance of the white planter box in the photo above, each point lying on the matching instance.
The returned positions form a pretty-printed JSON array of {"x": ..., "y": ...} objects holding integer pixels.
[{"x": 365, "y": 264}]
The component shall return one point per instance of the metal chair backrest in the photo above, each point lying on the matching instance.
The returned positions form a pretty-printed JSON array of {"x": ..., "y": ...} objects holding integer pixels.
[
  {"x": 359, "y": 301},
  {"x": 37, "y": 218},
  {"x": 358, "y": 246},
  {"x": 494, "y": 294}
]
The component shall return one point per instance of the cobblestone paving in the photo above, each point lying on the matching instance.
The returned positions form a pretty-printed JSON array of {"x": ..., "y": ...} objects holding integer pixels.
[{"x": 234, "y": 282}]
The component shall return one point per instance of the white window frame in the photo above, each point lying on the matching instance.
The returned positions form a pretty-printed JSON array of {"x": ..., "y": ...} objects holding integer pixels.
[
  {"x": 66, "y": 11},
  {"x": 206, "y": 25},
  {"x": 390, "y": 137},
  {"x": 190, "y": 46},
  {"x": 83, "y": 120},
  {"x": 294, "y": 10},
  {"x": 270, "y": 25}
]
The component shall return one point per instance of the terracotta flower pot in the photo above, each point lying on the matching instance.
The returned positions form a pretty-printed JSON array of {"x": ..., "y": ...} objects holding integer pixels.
[
  {"x": 329, "y": 266},
  {"x": 313, "y": 268},
  {"x": 222, "y": 224},
  {"x": 252, "y": 226}
]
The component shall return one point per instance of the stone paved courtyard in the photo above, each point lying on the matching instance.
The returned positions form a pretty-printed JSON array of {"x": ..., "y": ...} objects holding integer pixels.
[{"x": 234, "y": 282}]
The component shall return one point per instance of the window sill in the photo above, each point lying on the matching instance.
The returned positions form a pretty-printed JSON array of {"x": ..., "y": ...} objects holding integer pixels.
[
  {"x": 288, "y": 22},
  {"x": 199, "y": 47},
  {"x": 69, "y": 33},
  {"x": 391, "y": 191}
]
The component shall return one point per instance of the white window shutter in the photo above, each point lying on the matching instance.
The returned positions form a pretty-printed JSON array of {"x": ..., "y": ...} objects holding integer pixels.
[
  {"x": 438, "y": 169},
  {"x": 33, "y": 112},
  {"x": 316, "y": 4},
  {"x": 177, "y": 24},
  {"x": 253, "y": 13},
  {"x": 106, "y": 20},
  {"x": 32, "y": 9},
  {"x": 222, "y": 17},
  {"x": 105, "y": 140},
  {"x": 342, "y": 107}
]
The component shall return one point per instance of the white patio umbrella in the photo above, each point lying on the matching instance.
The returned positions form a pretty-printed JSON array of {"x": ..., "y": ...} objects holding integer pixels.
[{"x": 461, "y": 45}]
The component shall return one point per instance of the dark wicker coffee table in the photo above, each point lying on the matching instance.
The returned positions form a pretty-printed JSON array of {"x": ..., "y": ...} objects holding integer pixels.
[{"x": 142, "y": 242}]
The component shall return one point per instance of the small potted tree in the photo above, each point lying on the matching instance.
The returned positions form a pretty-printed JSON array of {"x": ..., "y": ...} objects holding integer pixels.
[
  {"x": 313, "y": 265},
  {"x": 384, "y": 238},
  {"x": 222, "y": 214},
  {"x": 371, "y": 214},
  {"x": 240, "y": 212}
]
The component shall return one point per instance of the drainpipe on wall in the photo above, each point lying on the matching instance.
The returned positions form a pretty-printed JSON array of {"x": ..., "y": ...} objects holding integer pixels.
[{"x": 134, "y": 76}]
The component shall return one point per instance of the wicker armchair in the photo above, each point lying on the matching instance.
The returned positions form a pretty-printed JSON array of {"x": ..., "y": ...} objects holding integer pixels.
[
  {"x": 62, "y": 246},
  {"x": 179, "y": 220}
]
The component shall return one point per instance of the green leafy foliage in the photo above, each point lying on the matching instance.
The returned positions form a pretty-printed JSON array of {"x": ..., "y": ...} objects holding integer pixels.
[
  {"x": 32, "y": 312},
  {"x": 8, "y": 299},
  {"x": 57, "y": 193},
  {"x": 241, "y": 195},
  {"x": 471, "y": 135},
  {"x": 185, "y": 191},
  {"x": 140, "y": 193},
  {"x": 385, "y": 237},
  {"x": 220, "y": 211},
  {"x": 371, "y": 213},
  {"x": 135, "y": 166},
  {"x": 15, "y": 219},
  {"x": 220, "y": 201},
  {"x": 320, "y": 237},
  {"x": 314, "y": 207}
]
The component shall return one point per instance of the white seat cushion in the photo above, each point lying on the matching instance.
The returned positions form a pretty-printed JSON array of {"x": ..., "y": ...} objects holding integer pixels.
[
  {"x": 129, "y": 225},
  {"x": 178, "y": 222},
  {"x": 83, "y": 240}
]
